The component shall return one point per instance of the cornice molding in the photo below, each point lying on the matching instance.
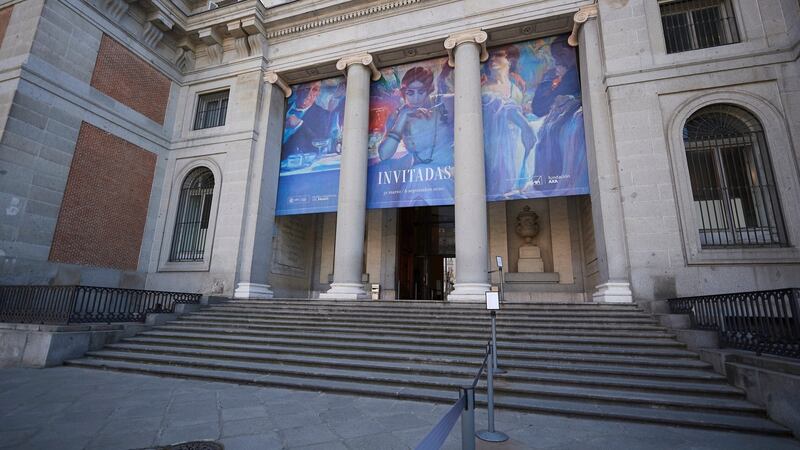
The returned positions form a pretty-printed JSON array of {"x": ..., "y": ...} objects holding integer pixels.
[
  {"x": 339, "y": 18},
  {"x": 475, "y": 36},
  {"x": 275, "y": 79},
  {"x": 581, "y": 17},
  {"x": 359, "y": 58}
]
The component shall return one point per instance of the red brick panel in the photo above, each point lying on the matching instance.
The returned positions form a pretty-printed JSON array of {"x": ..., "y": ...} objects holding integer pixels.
[
  {"x": 130, "y": 80},
  {"x": 105, "y": 203},
  {"x": 5, "y": 17}
]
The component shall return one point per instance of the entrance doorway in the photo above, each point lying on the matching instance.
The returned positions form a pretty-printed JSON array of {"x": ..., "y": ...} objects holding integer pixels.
[{"x": 426, "y": 252}]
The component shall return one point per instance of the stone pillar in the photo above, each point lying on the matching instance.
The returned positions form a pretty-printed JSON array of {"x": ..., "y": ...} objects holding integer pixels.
[
  {"x": 351, "y": 211},
  {"x": 607, "y": 214},
  {"x": 255, "y": 248},
  {"x": 467, "y": 50}
]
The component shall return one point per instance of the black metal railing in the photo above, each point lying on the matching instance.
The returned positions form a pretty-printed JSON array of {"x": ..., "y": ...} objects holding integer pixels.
[
  {"x": 761, "y": 321},
  {"x": 696, "y": 24},
  {"x": 62, "y": 305}
]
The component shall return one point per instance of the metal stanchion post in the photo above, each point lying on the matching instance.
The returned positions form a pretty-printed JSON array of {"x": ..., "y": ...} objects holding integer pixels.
[
  {"x": 491, "y": 435},
  {"x": 468, "y": 420},
  {"x": 497, "y": 369}
]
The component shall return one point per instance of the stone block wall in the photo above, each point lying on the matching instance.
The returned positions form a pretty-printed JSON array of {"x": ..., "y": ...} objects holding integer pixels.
[{"x": 104, "y": 209}]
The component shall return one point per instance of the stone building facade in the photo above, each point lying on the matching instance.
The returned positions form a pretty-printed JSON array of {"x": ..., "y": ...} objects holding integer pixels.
[{"x": 101, "y": 145}]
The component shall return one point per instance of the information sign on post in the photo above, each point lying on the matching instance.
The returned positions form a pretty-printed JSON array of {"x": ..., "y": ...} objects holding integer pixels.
[{"x": 492, "y": 300}]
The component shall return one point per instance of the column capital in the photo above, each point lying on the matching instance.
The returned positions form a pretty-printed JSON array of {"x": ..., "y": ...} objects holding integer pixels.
[
  {"x": 359, "y": 58},
  {"x": 582, "y": 16},
  {"x": 272, "y": 77},
  {"x": 476, "y": 36}
]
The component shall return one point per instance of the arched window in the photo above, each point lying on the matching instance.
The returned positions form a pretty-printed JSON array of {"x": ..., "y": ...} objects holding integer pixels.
[
  {"x": 191, "y": 220},
  {"x": 733, "y": 185}
]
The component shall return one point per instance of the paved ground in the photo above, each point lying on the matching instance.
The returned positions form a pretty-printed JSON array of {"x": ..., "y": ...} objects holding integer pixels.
[{"x": 69, "y": 408}]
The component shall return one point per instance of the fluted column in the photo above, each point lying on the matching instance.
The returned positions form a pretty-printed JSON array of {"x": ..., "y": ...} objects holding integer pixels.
[
  {"x": 467, "y": 50},
  {"x": 607, "y": 213},
  {"x": 352, "y": 202},
  {"x": 255, "y": 252}
]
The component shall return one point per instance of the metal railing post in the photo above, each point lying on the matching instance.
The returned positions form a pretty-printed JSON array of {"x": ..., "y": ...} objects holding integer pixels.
[
  {"x": 491, "y": 435},
  {"x": 468, "y": 419}
]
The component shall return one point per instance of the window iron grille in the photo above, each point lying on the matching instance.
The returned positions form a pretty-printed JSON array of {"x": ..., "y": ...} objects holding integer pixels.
[
  {"x": 211, "y": 110},
  {"x": 192, "y": 218},
  {"x": 696, "y": 24},
  {"x": 733, "y": 185}
]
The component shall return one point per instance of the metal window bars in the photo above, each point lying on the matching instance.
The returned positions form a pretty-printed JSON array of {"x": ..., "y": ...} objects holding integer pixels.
[
  {"x": 761, "y": 321},
  {"x": 733, "y": 186},
  {"x": 211, "y": 110},
  {"x": 192, "y": 217},
  {"x": 696, "y": 24},
  {"x": 62, "y": 305}
]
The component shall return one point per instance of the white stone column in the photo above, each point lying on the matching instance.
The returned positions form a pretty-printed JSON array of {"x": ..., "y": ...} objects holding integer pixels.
[
  {"x": 467, "y": 50},
  {"x": 607, "y": 213},
  {"x": 352, "y": 203},
  {"x": 255, "y": 248}
]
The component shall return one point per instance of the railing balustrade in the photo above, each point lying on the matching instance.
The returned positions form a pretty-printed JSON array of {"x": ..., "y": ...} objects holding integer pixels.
[
  {"x": 62, "y": 305},
  {"x": 760, "y": 321}
]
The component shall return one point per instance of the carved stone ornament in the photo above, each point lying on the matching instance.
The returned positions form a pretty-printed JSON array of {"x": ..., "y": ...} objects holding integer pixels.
[
  {"x": 454, "y": 40},
  {"x": 359, "y": 58},
  {"x": 274, "y": 78},
  {"x": 527, "y": 225},
  {"x": 580, "y": 17}
]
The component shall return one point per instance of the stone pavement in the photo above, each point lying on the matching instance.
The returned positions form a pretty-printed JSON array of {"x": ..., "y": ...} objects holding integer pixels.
[{"x": 70, "y": 408}]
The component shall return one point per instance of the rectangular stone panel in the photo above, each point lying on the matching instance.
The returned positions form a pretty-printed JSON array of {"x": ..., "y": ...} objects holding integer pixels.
[
  {"x": 104, "y": 210},
  {"x": 130, "y": 80}
]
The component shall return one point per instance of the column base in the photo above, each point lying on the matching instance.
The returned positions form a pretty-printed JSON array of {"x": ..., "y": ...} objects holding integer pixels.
[
  {"x": 253, "y": 291},
  {"x": 613, "y": 292},
  {"x": 469, "y": 292},
  {"x": 345, "y": 291}
]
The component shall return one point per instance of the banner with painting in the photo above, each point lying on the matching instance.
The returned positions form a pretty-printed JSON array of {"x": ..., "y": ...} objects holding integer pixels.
[{"x": 533, "y": 132}]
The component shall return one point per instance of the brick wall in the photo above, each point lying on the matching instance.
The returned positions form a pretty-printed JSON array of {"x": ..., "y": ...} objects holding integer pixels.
[
  {"x": 130, "y": 80},
  {"x": 103, "y": 213},
  {"x": 5, "y": 17}
]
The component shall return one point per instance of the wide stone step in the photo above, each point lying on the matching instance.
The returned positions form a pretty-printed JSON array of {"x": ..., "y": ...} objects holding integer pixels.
[
  {"x": 550, "y": 353},
  {"x": 412, "y": 306},
  {"x": 695, "y": 370},
  {"x": 438, "y": 328},
  {"x": 445, "y": 369},
  {"x": 560, "y": 343},
  {"x": 580, "y": 407},
  {"x": 632, "y": 316},
  {"x": 445, "y": 382},
  {"x": 504, "y": 334}
]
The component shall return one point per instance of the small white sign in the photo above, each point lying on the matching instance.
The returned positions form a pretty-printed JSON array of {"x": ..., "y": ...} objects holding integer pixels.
[
  {"x": 499, "y": 262},
  {"x": 492, "y": 300}
]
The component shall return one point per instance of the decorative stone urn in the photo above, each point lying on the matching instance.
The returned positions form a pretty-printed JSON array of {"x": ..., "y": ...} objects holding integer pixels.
[
  {"x": 530, "y": 256},
  {"x": 527, "y": 225}
]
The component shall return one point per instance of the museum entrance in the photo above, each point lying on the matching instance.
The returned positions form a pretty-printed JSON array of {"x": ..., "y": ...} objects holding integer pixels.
[{"x": 426, "y": 252}]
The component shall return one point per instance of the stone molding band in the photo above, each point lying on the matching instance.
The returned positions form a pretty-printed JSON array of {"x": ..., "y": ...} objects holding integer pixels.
[
  {"x": 476, "y": 36},
  {"x": 359, "y": 58},
  {"x": 273, "y": 78},
  {"x": 581, "y": 17}
]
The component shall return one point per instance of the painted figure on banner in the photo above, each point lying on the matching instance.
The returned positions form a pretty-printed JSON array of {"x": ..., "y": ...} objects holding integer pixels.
[
  {"x": 512, "y": 138},
  {"x": 311, "y": 148},
  {"x": 411, "y": 154}
]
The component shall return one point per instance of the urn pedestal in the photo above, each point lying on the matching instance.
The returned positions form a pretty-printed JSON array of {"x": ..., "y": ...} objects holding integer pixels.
[{"x": 530, "y": 259}]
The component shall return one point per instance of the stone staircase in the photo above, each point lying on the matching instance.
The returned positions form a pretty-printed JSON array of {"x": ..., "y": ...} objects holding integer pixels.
[{"x": 582, "y": 360}]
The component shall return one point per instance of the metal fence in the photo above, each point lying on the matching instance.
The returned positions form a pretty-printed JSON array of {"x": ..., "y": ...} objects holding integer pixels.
[
  {"x": 61, "y": 305},
  {"x": 762, "y": 321}
]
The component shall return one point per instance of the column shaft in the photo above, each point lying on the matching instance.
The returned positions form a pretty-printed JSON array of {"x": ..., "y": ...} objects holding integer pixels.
[
  {"x": 472, "y": 279},
  {"x": 352, "y": 202}
]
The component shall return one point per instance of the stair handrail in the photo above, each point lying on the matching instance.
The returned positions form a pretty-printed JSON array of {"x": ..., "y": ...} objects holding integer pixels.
[{"x": 466, "y": 405}]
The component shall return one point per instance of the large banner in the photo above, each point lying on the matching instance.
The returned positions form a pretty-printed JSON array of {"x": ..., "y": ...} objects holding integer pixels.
[
  {"x": 533, "y": 132},
  {"x": 312, "y": 148},
  {"x": 411, "y": 136}
]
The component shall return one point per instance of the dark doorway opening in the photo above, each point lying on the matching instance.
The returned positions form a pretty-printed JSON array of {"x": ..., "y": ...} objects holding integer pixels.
[{"x": 426, "y": 252}]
